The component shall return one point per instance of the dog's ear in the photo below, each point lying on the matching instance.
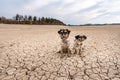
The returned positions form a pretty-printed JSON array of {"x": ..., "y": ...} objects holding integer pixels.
[
  {"x": 76, "y": 37},
  {"x": 59, "y": 31},
  {"x": 85, "y": 37},
  {"x": 68, "y": 31}
]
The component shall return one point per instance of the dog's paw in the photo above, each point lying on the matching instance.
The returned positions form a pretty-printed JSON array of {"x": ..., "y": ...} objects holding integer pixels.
[{"x": 59, "y": 51}]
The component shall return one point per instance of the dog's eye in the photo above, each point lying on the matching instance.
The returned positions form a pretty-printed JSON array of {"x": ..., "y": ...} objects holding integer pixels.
[
  {"x": 66, "y": 32},
  {"x": 81, "y": 37},
  {"x": 62, "y": 31}
]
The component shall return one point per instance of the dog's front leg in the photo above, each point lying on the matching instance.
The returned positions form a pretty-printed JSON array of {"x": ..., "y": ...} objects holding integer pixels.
[
  {"x": 61, "y": 50},
  {"x": 69, "y": 51},
  {"x": 77, "y": 51},
  {"x": 73, "y": 51},
  {"x": 80, "y": 49}
]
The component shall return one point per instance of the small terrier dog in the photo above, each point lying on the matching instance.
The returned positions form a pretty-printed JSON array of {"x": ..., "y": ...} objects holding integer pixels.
[
  {"x": 64, "y": 34},
  {"x": 78, "y": 44}
]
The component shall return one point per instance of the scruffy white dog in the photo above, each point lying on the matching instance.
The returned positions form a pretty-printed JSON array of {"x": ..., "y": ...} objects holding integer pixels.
[
  {"x": 64, "y": 34},
  {"x": 77, "y": 48}
]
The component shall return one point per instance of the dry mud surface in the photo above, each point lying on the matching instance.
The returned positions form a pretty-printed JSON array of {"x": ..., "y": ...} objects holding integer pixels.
[{"x": 30, "y": 53}]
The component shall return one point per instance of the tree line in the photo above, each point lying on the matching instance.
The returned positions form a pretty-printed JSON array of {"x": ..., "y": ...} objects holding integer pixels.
[{"x": 20, "y": 19}]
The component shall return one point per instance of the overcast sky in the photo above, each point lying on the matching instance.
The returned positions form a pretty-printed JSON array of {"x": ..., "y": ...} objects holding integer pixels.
[{"x": 68, "y": 11}]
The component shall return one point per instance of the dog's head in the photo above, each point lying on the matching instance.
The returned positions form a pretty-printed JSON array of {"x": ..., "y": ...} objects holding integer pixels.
[
  {"x": 80, "y": 38},
  {"x": 64, "y": 33}
]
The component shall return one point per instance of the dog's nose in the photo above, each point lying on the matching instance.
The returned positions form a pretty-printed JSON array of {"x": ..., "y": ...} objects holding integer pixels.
[{"x": 64, "y": 35}]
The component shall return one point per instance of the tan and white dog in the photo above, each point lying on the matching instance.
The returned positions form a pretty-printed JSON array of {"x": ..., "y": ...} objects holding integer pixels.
[
  {"x": 77, "y": 48},
  {"x": 64, "y": 34}
]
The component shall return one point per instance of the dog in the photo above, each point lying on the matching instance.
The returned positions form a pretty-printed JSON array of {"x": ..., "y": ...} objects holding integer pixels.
[
  {"x": 77, "y": 48},
  {"x": 64, "y": 34}
]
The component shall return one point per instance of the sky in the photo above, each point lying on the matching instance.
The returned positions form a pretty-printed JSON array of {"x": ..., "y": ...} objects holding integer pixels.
[{"x": 69, "y": 11}]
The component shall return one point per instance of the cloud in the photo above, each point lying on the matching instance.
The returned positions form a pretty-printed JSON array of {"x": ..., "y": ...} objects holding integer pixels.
[
  {"x": 76, "y": 6},
  {"x": 69, "y": 11},
  {"x": 37, "y": 4}
]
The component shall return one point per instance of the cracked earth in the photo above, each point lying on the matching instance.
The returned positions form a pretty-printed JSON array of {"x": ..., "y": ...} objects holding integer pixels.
[{"x": 30, "y": 53}]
